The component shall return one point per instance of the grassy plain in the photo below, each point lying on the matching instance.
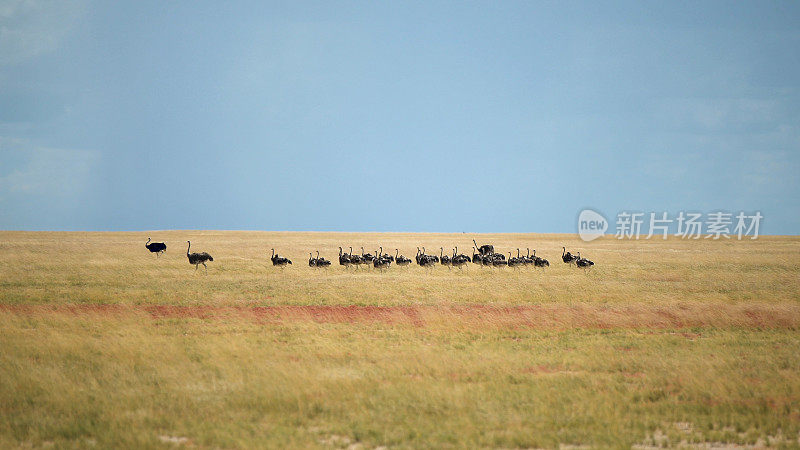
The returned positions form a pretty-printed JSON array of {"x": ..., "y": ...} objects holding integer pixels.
[{"x": 663, "y": 343}]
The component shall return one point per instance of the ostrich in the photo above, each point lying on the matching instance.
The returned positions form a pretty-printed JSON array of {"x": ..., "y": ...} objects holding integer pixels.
[
  {"x": 583, "y": 263},
  {"x": 497, "y": 261},
  {"x": 514, "y": 262},
  {"x": 568, "y": 257},
  {"x": 423, "y": 259},
  {"x": 197, "y": 258},
  {"x": 381, "y": 262},
  {"x": 445, "y": 260},
  {"x": 459, "y": 260},
  {"x": 477, "y": 258},
  {"x": 322, "y": 262},
  {"x": 426, "y": 260},
  {"x": 354, "y": 259},
  {"x": 366, "y": 257},
  {"x": 540, "y": 262},
  {"x": 156, "y": 247},
  {"x": 279, "y": 261},
  {"x": 400, "y": 259},
  {"x": 385, "y": 255},
  {"x": 528, "y": 258},
  {"x": 484, "y": 249},
  {"x": 317, "y": 262},
  {"x": 434, "y": 258},
  {"x": 487, "y": 260},
  {"x": 459, "y": 256},
  {"x": 344, "y": 258}
]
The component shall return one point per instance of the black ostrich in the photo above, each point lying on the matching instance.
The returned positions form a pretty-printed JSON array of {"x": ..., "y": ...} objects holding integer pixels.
[
  {"x": 484, "y": 249},
  {"x": 156, "y": 247},
  {"x": 344, "y": 258},
  {"x": 459, "y": 260},
  {"x": 386, "y": 256},
  {"x": 366, "y": 257},
  {"x": 197, "y": 258},
  {"x": 381, "y": 262},
  {"x": 444, "y": 259},
  {"x": 400, "y": 259},
  {"x": 540, "y": 262},
  {"x": 498, "y": 260},
  {"x": 279, "y": 261},
  {"x": 583, "y": 263},
  {"x": 567, "y": 257},
  {"x": 433, "y": 258},
  {"x": 354, "y": 259},
  {"x": 320, "y": 262},
  {"x": 477, "y": 258},
  {"x": 528, "y": 258},
  {"x": 426, "y": 260},
  {"x": 514, "y": 262}
]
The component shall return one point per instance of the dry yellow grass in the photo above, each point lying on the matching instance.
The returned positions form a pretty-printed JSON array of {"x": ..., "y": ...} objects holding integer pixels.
[
  {"x": 663, "y": 343},
  {"x": 116, "y": 268}
]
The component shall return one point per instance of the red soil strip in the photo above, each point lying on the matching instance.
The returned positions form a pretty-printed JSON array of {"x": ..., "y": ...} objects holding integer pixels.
[{"x": 472, "y": 316}]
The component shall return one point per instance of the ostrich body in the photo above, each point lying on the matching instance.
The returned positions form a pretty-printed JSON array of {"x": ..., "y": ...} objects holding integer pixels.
[
  {"x": 197, "y": 258},
  {"x": 514, "y": 262},
  {"x": 400, "y": 259},
  {"x": 568, "y": 257},
  {"x": 156, "y": 247},
  {"x": 499, "y": 260},
  {"x": 425, "y": 260},
  {"x": 484, "y": 249},
  {"x": 344, "y": 258},
  {"x": 381, "y": 262},
  {"x": 540, "y": 262},
  {"x": 318, "y": 262},
  {"x": 583, "y": 263},
  {"x": 458, "y": 256},
  {"x": 279, "y": 261},
  {"x": 433, "y": 258},
  {"x": 459, "y": 260},
  {"x": 528, "y": 258},
  {"x": 477, "y": 258},
  {"x": 355, "y": 260},
  {"x": 445, "y": 260},
  {"x": 366, "y": 257}
]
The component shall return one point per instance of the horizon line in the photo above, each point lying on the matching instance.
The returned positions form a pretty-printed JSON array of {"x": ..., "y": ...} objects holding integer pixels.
[{"x": 744, "y": 237}]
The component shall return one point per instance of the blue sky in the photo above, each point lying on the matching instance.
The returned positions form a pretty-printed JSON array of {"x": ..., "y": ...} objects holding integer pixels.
[{"x": 395, "y": 116}]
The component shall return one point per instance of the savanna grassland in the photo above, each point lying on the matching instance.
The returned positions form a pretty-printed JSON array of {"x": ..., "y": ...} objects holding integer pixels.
[{"x": 664, "y": 343}]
